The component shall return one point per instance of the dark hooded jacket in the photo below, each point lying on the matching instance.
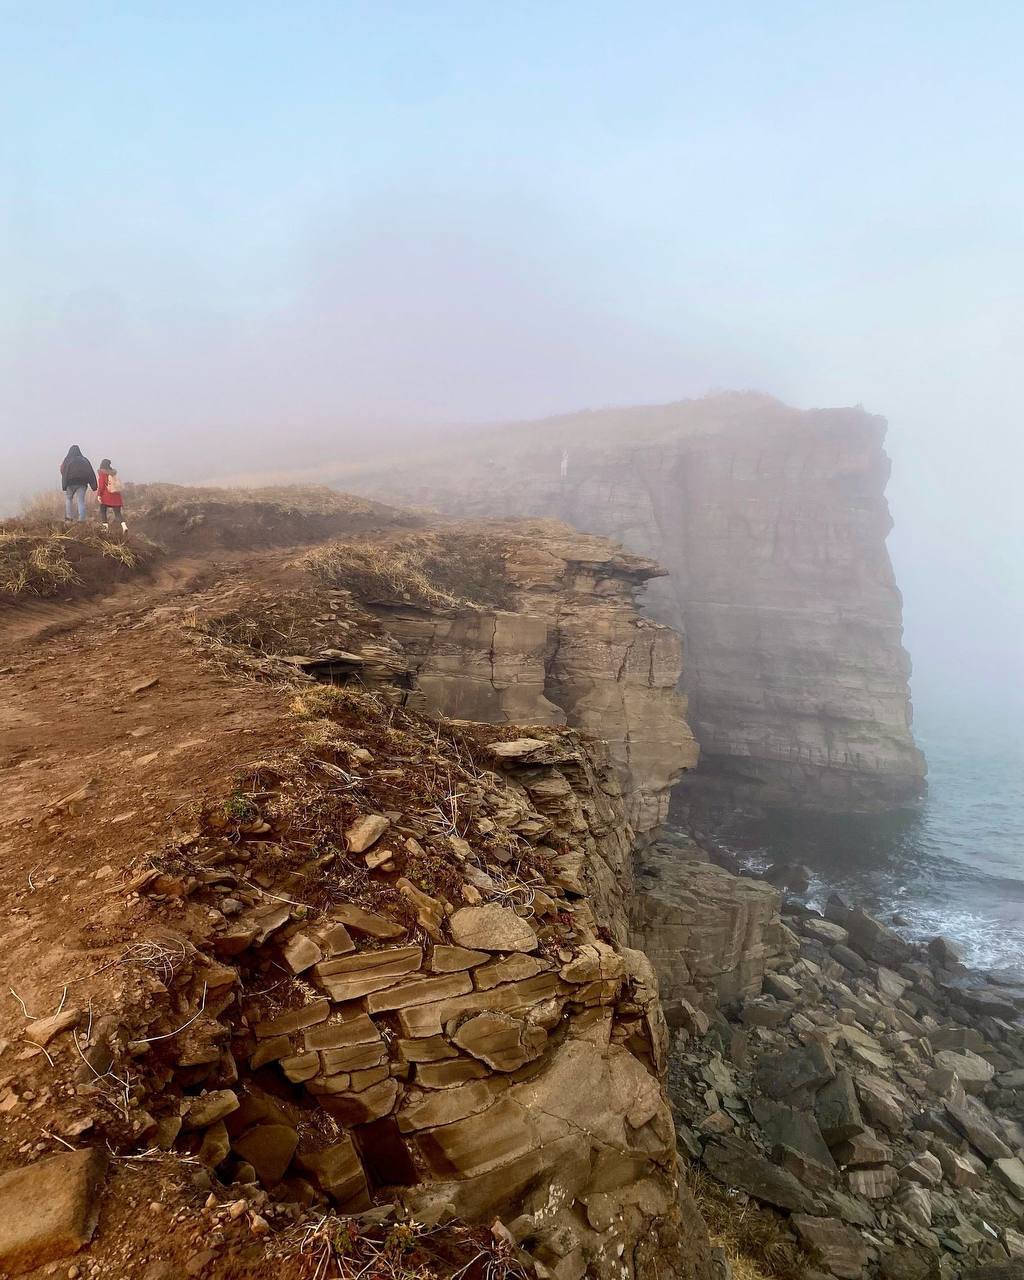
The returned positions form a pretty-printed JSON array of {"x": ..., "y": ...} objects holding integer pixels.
[{"x": 76, "y": 469}]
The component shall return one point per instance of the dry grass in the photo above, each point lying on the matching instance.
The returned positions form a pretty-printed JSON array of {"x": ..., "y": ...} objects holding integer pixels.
[
  {"x": 48, "y": 505},
  {"x": 44, "y": 560},
  {"x": 445, "y": 570},
  {"x": 755, "y": 1241},
  {"x": 309, "y": 500}
]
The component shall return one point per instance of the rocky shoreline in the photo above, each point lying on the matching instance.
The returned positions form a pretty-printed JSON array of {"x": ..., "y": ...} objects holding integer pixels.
[{"x": 868, "y": 1091}]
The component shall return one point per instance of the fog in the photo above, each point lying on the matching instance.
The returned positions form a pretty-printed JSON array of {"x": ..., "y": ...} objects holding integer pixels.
[{"x": 244, "y": 238}]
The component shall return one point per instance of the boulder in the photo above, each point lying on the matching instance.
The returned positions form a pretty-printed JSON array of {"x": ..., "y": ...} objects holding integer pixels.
[
  {"x": 850, "y": 959},
  {"x": 352, "y": 977},
  {"x": 364, "y": 1106},
  {"x": 837, "y": 1110},
  {"x": 781, "y": 986},
  {"x": 874, "y": 940},
  {"x": 1010, "y": 1172},
  {"x": 339, "y": 1035},
  {"x": 514, "y": 968},
  {"x": 873, "y": 1184},
  {"x": 957, "y": 1171},
  {"x": 301, "y": 953},
  {"x": 825, "y": 931},
  {"x": 49, "y": 1210},
  {"x": 208, "y": 1108},
  {"x": 924, "y": 1169},
  {"x": 882, "y": 1105},
  {"x": 269, "y": 1149},
  {"x": 863, "y": 1149},
  {"x": 943, "y": 952},
  {"x": 339, "y": 1172},
  {"x": 841, "y": 1249},
  {"x": 215, "y": 1146},
  {"x": 812, "y": 1173},
  {"x": 787, "y": 1127},
  {"x": 974, "y": 1123},
  {"x": 491, "y": 927},
  {"x": 454, "y": 1071},
  {"x": 445, "y": 1106},
  {"x": 915, "y": 1204},
  {"x": 958, "y": 1038},
  {"x": 891, "y": 984},
  {"x": 781, "y": 1075},
  {"x": 973, "y": 1072},
  {"x": 734, "y": 1162},
  {"x": 909, "y": 1262}
]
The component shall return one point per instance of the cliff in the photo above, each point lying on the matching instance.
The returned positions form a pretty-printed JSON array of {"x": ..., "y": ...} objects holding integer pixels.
[
  {"x": 346, "y": 983},
  {"x": 536, "y": 623},
  {"x": 772, "y": 523}
]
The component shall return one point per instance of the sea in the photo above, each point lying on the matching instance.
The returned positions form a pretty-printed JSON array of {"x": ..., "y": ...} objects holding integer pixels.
[{"x": 953, "y": 867}]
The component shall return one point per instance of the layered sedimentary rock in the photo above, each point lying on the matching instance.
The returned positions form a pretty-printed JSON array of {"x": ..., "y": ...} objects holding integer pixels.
[
  {"x": 711, "y": 936},
  {"x": 772, "y": 523},
  {"x": 571, "y": 648},
  {"x": 461, "y": 1032}
]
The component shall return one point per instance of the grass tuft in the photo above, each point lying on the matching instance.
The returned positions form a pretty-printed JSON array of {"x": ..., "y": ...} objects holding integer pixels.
[
  {"x": 446, "y": 570},
  {"x": 44, "y": 559},
  {"x": 755, "y": 1240}
]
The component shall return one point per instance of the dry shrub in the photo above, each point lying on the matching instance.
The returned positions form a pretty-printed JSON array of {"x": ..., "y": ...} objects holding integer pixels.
[
  {"x": 41, "y": 560},
  {"x": 432, "y": 570},
  {"x": 755, "y": 1241}
]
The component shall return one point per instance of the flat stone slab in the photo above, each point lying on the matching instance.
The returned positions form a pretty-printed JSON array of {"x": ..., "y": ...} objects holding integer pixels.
[
  {"x": 840, "y": 1247},
  {"x": 736, "y": 1163},
  {"x": 492, "y": 928},
  {"x": 49, "y": 1210}
]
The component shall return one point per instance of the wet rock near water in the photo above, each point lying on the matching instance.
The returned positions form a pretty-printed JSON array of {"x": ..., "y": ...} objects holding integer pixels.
[{"x": 868, "y": 1090}]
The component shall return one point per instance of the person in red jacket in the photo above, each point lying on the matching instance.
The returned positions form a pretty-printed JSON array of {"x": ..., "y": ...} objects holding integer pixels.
[{"x": 108, "y": 492}]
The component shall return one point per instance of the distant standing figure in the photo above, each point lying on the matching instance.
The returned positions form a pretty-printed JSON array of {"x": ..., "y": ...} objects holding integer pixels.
[
  {"x": 109, "y": 493},
  {"x": 76, "y": 475}
]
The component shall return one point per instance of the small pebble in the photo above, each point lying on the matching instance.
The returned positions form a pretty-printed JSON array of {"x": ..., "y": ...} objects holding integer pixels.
[{"x": 259, "y": 1225}]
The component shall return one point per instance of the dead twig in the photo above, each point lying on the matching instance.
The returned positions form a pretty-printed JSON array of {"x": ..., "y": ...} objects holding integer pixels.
[
  {"x": 24, "y": 1007},
  {"x": 168, "y": 1035}
]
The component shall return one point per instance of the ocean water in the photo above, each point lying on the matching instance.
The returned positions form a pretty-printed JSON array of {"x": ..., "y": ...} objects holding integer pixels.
[{"x": 955, "y": 867}]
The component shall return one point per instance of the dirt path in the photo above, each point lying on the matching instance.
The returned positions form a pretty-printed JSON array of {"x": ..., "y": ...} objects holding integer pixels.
[{"x": 112, "y": 727}]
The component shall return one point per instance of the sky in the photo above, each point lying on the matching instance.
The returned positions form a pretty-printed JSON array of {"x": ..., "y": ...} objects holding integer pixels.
[{"x": 245, "y": 235}]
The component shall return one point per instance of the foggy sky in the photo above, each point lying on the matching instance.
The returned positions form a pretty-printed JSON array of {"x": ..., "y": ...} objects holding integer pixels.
[{"x": 242, "y": 236}]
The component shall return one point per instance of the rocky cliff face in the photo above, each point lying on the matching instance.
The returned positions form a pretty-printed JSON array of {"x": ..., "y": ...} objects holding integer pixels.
[
  {"x": 570, "y": 647},
  {"x": 461, "y": 1020},
  {"x": 772, "y": 523}
]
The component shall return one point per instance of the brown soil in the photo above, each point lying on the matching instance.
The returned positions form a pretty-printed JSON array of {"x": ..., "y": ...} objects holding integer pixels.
[{"x": 96, "y": 773}]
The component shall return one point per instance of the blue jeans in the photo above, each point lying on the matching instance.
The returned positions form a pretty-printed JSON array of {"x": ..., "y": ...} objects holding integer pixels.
[{"x": 76, "y": 494}]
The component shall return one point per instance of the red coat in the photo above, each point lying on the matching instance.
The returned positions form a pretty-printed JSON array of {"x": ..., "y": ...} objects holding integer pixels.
[{"x": 106, "y": 497}]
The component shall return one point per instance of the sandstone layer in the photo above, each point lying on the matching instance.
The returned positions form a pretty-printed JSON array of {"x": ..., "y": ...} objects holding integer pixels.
[
  {"x": 539, "y": 624},
  {"x": 772, "y": 523},
  {"x": 571, "y": 648}
]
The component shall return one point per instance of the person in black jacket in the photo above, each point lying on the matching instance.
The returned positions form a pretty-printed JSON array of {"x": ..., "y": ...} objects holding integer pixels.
[{"x": 76, "y": 475}]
